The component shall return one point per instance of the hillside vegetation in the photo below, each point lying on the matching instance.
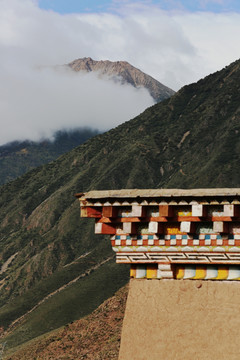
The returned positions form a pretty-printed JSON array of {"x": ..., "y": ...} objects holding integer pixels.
[
  {"x": 18, "y": 157},
  {"x": 95, "y": 337},
  {"x": 189, "y": 140}
]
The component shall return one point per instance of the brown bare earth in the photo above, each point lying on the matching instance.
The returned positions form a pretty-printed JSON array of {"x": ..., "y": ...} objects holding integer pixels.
[{"x": 95, "y": 337}]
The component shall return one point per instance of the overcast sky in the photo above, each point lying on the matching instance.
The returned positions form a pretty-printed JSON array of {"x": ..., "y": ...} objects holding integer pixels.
[{"x": 177, "y": 42}]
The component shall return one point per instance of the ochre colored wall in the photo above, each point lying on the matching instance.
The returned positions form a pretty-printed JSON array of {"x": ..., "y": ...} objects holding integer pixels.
[{"x": 181, "y": 320}]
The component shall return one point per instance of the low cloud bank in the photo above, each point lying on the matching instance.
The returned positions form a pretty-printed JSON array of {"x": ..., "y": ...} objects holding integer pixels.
[
  {"x": 38, "y": 102},
  {"x": 176, "y": 48}
]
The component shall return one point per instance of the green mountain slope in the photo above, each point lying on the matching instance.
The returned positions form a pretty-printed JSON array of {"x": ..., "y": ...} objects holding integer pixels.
[
  {"x": 100, "y": 334},
  {"x": 18, "y": 157},
  {"x": 189, "y": 140}
]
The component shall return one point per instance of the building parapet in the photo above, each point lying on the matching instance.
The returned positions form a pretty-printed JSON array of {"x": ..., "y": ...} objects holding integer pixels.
[{"x": 170, "y": 233}]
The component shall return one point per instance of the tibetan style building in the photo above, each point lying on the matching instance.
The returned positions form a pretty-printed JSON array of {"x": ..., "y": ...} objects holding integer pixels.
[{"x": 170, "y": 233}]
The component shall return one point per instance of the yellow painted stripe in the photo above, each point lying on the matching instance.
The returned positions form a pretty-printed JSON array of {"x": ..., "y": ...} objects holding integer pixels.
[
  {"x": 222, "y": 273},
  {"x": 180, "y": 272},
  {"x": 151, "y": 272},
  {"x": 200, "y": 272},
  {"x": 184, "y": 213}
]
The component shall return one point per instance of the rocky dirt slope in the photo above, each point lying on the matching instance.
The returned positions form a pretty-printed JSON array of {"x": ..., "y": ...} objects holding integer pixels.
[{"x": 95, "y": 337}]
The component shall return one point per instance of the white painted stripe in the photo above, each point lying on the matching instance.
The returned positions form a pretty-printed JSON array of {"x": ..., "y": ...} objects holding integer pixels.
[
  {"x": 233, "y": 273},
  {"x": 98, "y": 228},
  {"x": 127, "y": 227},
  {"x": 167, "y": 274},
  {"x": 171, "y": 248},
  {"x": 189, "y": 272},
  {"x": 159, "y": 274},
  {"x": 164, "y": 267},
  {"x": 228, "y": 210},
  {"x": 197, "y": 210},
  {"x": 142, "y": 248},
  {"x": 125, "y": 249},
  {"x": 155, "y": 248},
  {"x": 219, "y": 249},
  {"x": 186, "y": 248},
  {"x": 212, "y": 272},
  {"x": 235, "y": 249},
  {"x": 141, "y": 272},
  {"x": 202, "y": 248},
  {"x": 153, "y": 227},
  {"x": 185, "y": 226},
  {"x": 136, "y": 210}
]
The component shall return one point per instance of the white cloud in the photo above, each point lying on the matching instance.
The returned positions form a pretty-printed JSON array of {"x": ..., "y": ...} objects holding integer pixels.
[
  {"x": 38, "y": 102},
  {"x": 175, "y": 48}
]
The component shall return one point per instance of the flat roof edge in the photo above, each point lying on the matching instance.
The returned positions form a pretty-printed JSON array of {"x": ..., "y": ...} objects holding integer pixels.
[{"x": 145, "y": 193}]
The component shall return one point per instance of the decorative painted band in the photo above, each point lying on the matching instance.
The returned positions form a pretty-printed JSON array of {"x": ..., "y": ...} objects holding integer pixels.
[
  {"x": 178, "y": 249},
  {"x": 176, "y": 240},
  {"x": 177, "y": 237},
  {"x": 174, "y": 258},
  {"x": 145, "y": 272},
  {"x": 194, "y": 272},
  {"x": 209, "y": 272}
]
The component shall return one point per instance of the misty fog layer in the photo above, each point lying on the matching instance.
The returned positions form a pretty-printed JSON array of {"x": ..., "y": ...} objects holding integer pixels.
[
  {"x": 36, "y": 99},
  {"x": 40, "y": 101}
]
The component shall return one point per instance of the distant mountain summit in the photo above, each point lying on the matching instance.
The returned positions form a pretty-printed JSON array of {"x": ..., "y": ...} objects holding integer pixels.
[{"x": 124, "y": 72}]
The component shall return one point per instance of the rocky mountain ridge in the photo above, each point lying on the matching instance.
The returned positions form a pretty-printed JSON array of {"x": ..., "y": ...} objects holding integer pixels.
[{"x": 125, "y": 73}]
